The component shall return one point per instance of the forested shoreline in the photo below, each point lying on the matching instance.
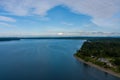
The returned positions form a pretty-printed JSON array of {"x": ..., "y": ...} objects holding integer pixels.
[{"x": 102, "y": 52}]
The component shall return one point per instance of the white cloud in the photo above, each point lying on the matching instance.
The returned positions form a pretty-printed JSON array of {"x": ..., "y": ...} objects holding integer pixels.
[
  {"x": 27, "y": 7},
  {"x": 7, "y": 19},
  {"x": 2, "y": 24},
  {"x": 107, "y": 22},
  {"x": 101, "y": 11},
  {"x": 42, "y": 6},
  {"x": 94, "y": 8},
  {"x": 17, "y": 7}
]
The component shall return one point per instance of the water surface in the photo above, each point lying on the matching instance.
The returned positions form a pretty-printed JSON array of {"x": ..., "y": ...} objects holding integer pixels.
[{"x": 45, "y": 60}]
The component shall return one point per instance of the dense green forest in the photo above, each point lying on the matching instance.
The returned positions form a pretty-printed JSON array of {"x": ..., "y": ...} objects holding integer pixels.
[{"x": 103, "y": 52}]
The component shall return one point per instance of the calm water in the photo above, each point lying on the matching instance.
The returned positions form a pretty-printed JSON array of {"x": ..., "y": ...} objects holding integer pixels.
[{"x": 45, "y": 60}]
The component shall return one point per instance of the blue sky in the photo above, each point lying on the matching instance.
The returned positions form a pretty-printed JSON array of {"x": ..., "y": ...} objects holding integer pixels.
[{"x": 60, "y": 18}]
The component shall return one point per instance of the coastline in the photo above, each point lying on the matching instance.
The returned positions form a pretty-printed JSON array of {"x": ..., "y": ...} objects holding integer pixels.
[{"x": 98, "y": 67}]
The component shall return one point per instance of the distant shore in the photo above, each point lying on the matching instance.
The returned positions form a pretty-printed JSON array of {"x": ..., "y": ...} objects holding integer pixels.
[
  {"x": 98, "y": 67},
  {"x": 9, "y": 39}
]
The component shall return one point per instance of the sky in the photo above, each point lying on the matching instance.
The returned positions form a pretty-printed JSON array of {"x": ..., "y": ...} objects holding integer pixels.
[{"x": 59, "y": 18}]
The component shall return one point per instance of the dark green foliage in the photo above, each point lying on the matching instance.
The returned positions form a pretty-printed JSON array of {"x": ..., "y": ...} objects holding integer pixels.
[
  {"x": 101, "y": 48},
  {"x": 117, "y": 61}
]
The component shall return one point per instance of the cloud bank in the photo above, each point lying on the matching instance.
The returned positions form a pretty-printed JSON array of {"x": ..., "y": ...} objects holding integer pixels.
[
  {"x": 7, "y": 19},
  {"x": 102, "y": 12}
]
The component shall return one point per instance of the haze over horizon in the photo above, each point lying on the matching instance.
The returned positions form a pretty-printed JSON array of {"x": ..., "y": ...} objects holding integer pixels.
[{"x": 59, "y": 18}]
